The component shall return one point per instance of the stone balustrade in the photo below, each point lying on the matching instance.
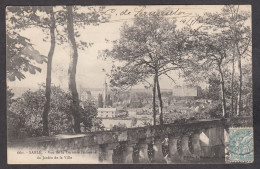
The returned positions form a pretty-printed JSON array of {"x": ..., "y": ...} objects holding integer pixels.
[{"x": 169, "y": 143}]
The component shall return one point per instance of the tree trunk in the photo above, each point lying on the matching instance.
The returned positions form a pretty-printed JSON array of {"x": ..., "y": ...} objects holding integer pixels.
[
  {"x": 224, "y": 109},
  {"x": 160, "y": 100},
  {"x": 154, "y": 95},
  {"x": 239, "y": 102},
  {"x": 46, "y": 109},
  {"x": 235, "y": 106},
  {"x": 72, "y": 71},
  {"x": 232, "y": 84}
]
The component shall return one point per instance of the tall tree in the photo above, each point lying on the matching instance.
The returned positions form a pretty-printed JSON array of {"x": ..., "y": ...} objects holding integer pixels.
[
  {"x": 100, "y": 100},
  {"x": 232, "y": 21},
  {"x": 43, "y": 18},
  {"x": 46, "y": 109},
  {"x": 151, "y": 47},
  {"x": 77, "y": 17},
  {"x": 241, "y": 35},
  {"x": 154, "y": 100},
  {"x": 209, "y": 52},
  {"x": 72, "y": 70}
]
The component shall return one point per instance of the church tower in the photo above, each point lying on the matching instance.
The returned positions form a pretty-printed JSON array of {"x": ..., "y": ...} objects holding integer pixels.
[{"x": 105, "y": 94}]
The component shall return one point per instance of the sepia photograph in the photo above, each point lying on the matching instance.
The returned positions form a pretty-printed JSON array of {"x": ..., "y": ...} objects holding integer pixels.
[{"x": 128, "y": 84}]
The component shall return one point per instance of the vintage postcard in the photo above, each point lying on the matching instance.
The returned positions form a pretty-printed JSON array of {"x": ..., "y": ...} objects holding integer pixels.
[{"x": 164, "y": 84}]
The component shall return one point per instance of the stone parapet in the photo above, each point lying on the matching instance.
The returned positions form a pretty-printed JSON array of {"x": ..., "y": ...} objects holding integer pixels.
[{"x": 169, "y": 142}]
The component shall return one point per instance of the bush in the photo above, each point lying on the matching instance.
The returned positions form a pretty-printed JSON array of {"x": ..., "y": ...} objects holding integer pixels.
[
  {"x": 24, "y": 116},
  {"x": 119, "y": 127},
  {"x": 215, "y": 111}
]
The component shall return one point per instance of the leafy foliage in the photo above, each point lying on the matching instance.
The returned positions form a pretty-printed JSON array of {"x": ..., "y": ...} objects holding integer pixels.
[
  {"x": 231, "y": 22},
  {"x": 149, "y": 45},
  {"x": 210, "y": 111},
  {"x": 25, "y": 114},
  {"x": 119, "y": 127},
  {"x": 89, "y": 113},
  {"x": 21, "y": 57},
  {"x": 20, "y": 52},
  {"x": 222, "y": 35}
]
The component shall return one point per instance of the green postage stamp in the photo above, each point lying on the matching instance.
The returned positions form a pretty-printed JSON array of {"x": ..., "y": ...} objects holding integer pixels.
[{"x": 241, "y": 145}]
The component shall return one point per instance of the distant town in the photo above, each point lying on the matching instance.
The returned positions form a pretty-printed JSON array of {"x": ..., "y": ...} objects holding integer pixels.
[{"x": 133, "y": 108}]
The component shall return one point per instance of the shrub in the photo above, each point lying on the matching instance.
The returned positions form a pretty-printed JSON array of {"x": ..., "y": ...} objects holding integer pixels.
[{"x": 24, "y": 116}]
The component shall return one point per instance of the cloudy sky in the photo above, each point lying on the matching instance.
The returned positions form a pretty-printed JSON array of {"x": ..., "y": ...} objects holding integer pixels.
[{"x": 89, "y": 69}]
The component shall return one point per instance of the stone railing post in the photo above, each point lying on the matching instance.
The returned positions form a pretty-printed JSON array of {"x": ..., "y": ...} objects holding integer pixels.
[
  {"x": 106, "y": 153},
  {"x": 92, "y": 152},
  {"x": 128, "y": 153},
  {"x": 157, "y": 150},
  {"x": 212, "y": 142},
  {"x": 195, "y": 141},
  {"x": 185, "y": 146},
  {"x": 217, "y": 141},
  {"x": 226, "y": 140},
  {"x": 204, "y": 143},
  {"x": 143, "y": 150},
  {"x": 173, "y": 148}
]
